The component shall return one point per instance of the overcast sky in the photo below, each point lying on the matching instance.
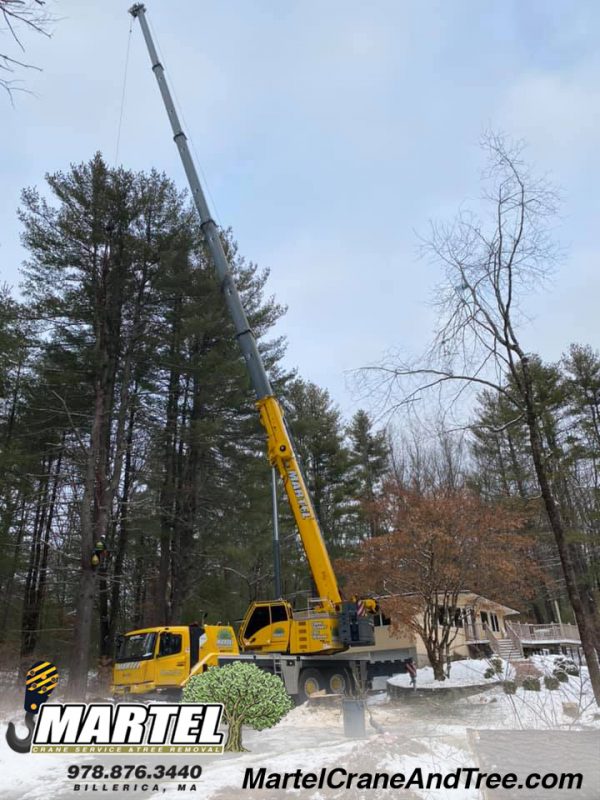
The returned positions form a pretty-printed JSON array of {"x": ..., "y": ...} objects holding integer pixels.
[{"x": 330, "y": 133}]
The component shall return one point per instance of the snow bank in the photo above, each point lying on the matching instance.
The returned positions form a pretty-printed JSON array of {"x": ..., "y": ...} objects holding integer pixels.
[{"x": 468, "y": 672}]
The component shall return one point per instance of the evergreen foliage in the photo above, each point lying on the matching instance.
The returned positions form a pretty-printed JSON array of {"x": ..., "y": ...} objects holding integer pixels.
[
  {"x": 127, "y": 417},
  {"x": 551, "y": 683}
]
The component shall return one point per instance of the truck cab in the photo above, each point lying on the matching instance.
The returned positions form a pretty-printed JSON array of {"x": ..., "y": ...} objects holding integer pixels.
[{"x": 162, "y": 658}]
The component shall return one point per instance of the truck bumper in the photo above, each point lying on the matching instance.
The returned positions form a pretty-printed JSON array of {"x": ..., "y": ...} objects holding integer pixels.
[{"x": 122, "y": 690}]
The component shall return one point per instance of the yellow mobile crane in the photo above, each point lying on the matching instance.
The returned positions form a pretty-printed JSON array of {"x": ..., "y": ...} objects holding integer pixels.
[{"x": 271, "y": 631}]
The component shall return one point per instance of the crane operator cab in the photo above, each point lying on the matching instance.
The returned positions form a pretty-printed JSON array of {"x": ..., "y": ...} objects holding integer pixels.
[{"x": 273, "y": 626}]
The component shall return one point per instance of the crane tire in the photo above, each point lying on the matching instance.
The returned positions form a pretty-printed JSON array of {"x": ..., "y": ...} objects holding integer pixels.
[
  {"x": 311, "y": 680},
  {"x": 337, "y": 681}
]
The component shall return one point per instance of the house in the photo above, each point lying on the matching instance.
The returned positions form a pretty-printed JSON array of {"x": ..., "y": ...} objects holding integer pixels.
[{"x": 483, "y": 628}]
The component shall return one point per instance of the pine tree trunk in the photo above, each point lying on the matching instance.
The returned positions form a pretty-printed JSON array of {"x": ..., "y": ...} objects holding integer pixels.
[
  {"x": 37, "y": 586},
  {"x": 117, "y": 585},
  {"x": 139, "y": 583},
  {"x": 8, "y": 589},
  {"x": 167, "y": 495},
  {"x": 96, "y": 506},
  {"x": 92, "y": 517},
  {"x": 29, "y": 615}
]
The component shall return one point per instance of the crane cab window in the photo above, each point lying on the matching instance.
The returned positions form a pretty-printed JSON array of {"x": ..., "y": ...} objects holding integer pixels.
[
  {"x": 262, "y": 616},
  {"x": 170, "y": 644},
  {"x": 260, "y": 619},
  {"x": 279, "y": 613}
]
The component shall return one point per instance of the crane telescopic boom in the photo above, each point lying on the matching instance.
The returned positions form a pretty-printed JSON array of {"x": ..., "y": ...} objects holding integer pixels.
[{"x": 280, "y": 447}]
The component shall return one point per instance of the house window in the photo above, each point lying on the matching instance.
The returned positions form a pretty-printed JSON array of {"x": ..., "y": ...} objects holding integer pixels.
[
  {"x": 491, "y": 620},
  {"x": 450, "y": 615},
  {"x": 379, "y": 620}
]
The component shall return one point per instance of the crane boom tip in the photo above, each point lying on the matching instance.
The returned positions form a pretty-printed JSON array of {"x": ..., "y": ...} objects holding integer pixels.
[{"x": 136, "y": 8}]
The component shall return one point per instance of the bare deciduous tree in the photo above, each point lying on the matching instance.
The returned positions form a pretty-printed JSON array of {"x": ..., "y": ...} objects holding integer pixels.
[
  {"x": 489, "y": 265},
  {"x": 19, "y": 15}
]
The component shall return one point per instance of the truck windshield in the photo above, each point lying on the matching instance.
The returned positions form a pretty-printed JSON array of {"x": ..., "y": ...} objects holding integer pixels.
[{"x": 136, "y": 647}]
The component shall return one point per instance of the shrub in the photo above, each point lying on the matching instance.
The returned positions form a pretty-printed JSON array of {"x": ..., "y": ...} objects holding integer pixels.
[
  {"x": 560, "y": 675},
  {"x": 531, "y": 684},
  {"x": 497, "y": 665},
  {"x": 566, "y": 665},
  {"x": 510, "y": 687},
  {"x": 249, "y": 696},
  {"x": 490, "y": 673},
  {"x": 551, "y": 682}
]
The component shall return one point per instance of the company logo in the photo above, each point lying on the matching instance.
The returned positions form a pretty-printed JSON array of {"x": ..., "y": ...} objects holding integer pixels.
[
  {"x": 40, "y": 681},
  {"x": 300, "y": 494},
  {"x": 319, "y": 630},
  {"x": 224, "y": 638},
  {"x": 189, "y": 728}
]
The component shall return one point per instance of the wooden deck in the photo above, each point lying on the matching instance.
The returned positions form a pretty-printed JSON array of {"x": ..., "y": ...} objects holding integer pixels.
[{"x": 551, "y": 633}]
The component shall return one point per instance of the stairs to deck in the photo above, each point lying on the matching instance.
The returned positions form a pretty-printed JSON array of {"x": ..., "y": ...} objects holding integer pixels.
[{"x": 508, "y": 650}]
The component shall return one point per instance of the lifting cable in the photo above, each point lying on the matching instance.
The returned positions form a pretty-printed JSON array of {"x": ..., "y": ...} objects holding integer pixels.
[{"x": 123, "y": 93}]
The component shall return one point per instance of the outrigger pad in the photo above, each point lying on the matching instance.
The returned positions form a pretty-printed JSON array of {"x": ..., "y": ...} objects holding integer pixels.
[{"x": 40, "y": 682}]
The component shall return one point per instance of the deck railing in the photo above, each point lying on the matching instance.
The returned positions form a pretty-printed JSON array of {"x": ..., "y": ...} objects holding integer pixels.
[
  {"x": 517, "y": 644},
  {"x": 550, "y": 632}
]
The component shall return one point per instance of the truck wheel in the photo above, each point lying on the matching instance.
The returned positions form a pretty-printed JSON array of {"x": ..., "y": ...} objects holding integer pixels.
[
  {"x": 311, "y": 681},
  {"x": 338, "y": 681}
]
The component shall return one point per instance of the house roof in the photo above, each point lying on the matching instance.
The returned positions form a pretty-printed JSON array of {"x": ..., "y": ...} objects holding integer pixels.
[
  {"x": 467, "y": 596},
  {"x": 473, "y": 597}
]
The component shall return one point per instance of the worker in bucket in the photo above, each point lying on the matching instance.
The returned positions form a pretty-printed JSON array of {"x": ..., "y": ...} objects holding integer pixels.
[{"x": 412, "y": 671}]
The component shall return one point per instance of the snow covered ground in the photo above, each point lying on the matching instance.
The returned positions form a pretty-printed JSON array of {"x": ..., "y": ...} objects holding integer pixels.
[
  {"x": 432, "y": 734},
  {"x": 469, "y": 672}
]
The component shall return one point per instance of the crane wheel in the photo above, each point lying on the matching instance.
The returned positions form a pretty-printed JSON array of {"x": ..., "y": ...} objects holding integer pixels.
[
  {"x": 338, "y": 681},
  {"x": 311, "y": 681}
]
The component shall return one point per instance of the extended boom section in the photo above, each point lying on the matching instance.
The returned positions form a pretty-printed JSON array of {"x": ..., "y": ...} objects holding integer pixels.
[
  {"x": 270, "y": 629},
  {"x": 281, "y": 452}
]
